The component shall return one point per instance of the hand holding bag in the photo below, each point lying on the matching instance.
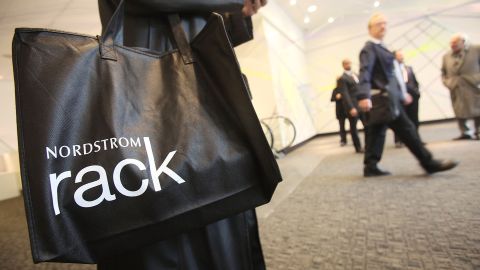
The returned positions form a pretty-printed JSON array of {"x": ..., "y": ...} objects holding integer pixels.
[
  {"x": 383, "y": 110},
  {"x": 121, "y": 147}
]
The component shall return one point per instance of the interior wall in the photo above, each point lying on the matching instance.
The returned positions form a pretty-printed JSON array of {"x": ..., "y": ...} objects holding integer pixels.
[
  {"x": 8, "y": 127},
  {"x": 279, "y": 85}
]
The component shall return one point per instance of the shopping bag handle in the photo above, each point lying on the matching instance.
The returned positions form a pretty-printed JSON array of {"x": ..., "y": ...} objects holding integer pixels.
[
  {"x": 180, "y": 38},
  {"x": 114, "y": 35}
]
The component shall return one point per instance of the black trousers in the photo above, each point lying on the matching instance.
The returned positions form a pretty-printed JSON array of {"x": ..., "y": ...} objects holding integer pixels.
[
  {"x": 353, "y": 131},
  {"x": 232, "y": 243},
  {"x": 412, "y": 112},
  {"x": 405, "y": 130}
]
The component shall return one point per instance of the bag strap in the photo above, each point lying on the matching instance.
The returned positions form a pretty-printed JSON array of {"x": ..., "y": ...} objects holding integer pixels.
[
  {"x": 114, "y": 35},
  {"x": 180, "y": 38}
]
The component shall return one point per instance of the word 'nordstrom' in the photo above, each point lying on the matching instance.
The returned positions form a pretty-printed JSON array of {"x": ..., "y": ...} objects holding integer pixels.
[{"x": 107, "y": 195}]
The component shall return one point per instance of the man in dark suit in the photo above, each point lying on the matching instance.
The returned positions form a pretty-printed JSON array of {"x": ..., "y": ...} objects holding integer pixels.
[
  {"x": 347, "y": 86},
  {"x": 412, "y": 87},
  {"x": 340, "y": 114},
  {"x": 230, "y": 243},
  {"x": 377, "y": 76}
]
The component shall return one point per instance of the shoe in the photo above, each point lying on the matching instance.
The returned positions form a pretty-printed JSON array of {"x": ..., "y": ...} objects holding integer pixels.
[
  {"x": 398, "y": 145},
  {"x": 463, "y": 137},
  {"x": 343, "y": 143},
  {"x": 440, "y": 165},
  {"x": 374, "y": 171},
  {"x": 359, "y": 150}
]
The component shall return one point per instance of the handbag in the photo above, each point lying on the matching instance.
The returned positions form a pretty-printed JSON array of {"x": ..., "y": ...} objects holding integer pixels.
[
  {"x": 383, "y": 109},
  {"x": 122, "y": 147}
]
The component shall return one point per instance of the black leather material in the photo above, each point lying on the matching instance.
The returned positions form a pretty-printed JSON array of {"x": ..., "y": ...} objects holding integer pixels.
[
  {"x": 383, "y": 111},
  {"x": 77, "y": 96}
]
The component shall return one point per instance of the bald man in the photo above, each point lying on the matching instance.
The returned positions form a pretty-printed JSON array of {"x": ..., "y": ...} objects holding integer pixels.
[
  {"x": 461, "y": 75},
  {"x": 378, "y": 77},
  {"x": 347, "y": 86}
]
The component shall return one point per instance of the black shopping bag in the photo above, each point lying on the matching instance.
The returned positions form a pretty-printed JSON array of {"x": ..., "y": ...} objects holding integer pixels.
[{"x": 121, "y": 147}]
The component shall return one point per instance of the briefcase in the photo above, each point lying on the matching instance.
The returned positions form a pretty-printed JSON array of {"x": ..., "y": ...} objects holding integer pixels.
[{"x": 383, "y": 110}]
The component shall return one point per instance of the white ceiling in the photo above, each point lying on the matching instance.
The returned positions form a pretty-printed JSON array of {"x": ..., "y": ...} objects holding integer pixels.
[
  {"x": 358, "y": 11},
  {"x": 82, "y": 16},
  {"x": 70, "y": 15}
]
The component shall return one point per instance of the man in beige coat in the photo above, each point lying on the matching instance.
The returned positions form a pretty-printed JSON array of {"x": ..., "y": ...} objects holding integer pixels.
[{"x": 461, "y": 75}]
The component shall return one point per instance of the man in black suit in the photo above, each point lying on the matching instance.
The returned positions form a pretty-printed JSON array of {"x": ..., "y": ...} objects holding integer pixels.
[
  {"x": 412, "y": 87},
  {"x": 337, "y": 97},
  {"x": 377, "y": 76},
  {"x": 347, "y": 86}
]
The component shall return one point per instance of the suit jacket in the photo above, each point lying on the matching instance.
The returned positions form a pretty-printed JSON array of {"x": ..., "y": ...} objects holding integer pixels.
[
  {"x": 348, "y": 88},
  {"x": 461, "y": 75},
  {"x": 377, "y": 72},
  {"x": 412, "y": 83}
]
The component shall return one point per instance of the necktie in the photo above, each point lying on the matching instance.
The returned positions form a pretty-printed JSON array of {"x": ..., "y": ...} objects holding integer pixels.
[
  {"x": 355, "y": 78},
  {"x": 405, "y": 73}
]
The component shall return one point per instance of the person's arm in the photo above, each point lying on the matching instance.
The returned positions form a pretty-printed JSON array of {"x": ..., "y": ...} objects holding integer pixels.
[
  {"x": 447, "y": 81},
  {"x": 473, "y": 78},
  {"x": 183, "y": 6},
  {"x": 238, "y": 25},
  {"x": 334, "y": 93},
  {"x": 415, "y": 82}
]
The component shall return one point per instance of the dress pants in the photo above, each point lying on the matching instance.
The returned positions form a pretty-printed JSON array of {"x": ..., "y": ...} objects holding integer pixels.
[
  {"x": 412, "y": 112},
  {"x": 353, "y": 131},
  {"x": 405, "y": 130},
  {"x": 343, "y": 133},
  {"x": 232, "y": 243}
]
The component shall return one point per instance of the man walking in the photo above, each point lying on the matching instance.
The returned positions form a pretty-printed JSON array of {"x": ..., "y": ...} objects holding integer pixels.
[
  {"x": 377, "y": 77},
  {"x": 412, "y": 87},
  {"x": 347, "y": 86},
  {"x": 461, "y": 75},
  {"x": 340, "y": 113}
]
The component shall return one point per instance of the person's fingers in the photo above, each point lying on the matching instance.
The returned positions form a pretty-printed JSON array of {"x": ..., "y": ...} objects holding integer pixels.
[
  {"x": 248, "y": 8},
  {"x": 256, "y": 5}
]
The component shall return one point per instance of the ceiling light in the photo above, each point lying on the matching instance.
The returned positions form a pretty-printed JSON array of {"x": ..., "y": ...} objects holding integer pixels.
[
  {"x": 331, "y": 20},
  {"x": 376, "y": 4},
  {"x": 293, "y": 2},
  {"x": 306, "y": 20},
  {"x": 312, "y": 8}
]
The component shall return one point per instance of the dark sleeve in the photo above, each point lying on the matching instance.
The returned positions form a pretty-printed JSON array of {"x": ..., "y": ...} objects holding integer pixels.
[
  {"x": 334, "y": 92},
  {"x": 346, "y": 99},
  {"x": 415, "y": 82},
  {"x": 367, "y": 62},
  {"x": 239, "y": 28}
]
